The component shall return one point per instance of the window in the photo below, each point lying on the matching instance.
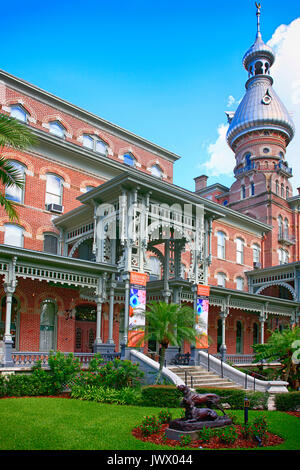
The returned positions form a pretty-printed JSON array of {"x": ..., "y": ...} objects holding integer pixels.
[
  {"x": 129, "y": 159},
  {"x": 48, "y": 325},
  {"x": 283, "y": 256},
  {"x": 282, "y": 190},
  {"x": 240, "y": 283},
  {"x": 94, "y": 143},
  {"x": 221, "y": 240},
  {"x": 50, "y": 243},
  {"x": 13, "y": 235},
  {"x": 256, "y": 253},
  {"x": 277, "y": 187},
  {"x": 280, "y": 227},
  {"x": 89, "y": 188},
  {"x": 182, "y": 270},
  {"x": 54, "y": 189},
  {"x": 57, "y": 129},
  {"x": 255, "y": 333},
  {"x": 154, "y": 268},
  {"x": 287, "y": 192},
  {"x": 243, "y": 192},
  {"x": 221, "y": 278},
  {"x": 239, "y": 337},
  {"x": 18, "y": 112},
  {"x": 252, "y": 189},
  {"x": 156, "y": 171},
  {"x": 239, "y": 251},
  {"x": 14, "y": 193},
  {"x": 286, "y": 228}
]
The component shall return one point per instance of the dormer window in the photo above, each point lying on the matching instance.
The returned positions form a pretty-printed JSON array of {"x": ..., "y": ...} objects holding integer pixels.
[
  {"x": 129, "y": 159},
  {"x": 156, "y": 171},
  {"x": 18, "y": 112},
  {"x": 93, "y": 142},
  {"x": 56, "y": 128}
]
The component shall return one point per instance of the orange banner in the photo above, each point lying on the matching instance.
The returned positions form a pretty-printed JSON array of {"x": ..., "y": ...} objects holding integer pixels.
[
  {"x": 138, "y": 278},
  {"x": 203, "y": 290}
]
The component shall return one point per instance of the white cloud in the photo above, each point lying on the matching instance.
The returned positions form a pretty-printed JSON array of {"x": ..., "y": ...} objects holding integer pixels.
[
  {"x": 221, "y": 160},
  {"x": 231, "y": 101},
  {"x": 286, "y": 73}
]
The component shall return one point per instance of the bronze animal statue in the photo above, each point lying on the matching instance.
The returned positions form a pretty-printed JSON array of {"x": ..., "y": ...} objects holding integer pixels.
[{"x": 191, "y": 399}]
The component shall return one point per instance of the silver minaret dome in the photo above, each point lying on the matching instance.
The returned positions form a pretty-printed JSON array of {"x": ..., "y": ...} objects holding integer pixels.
[{"x": 261, "y": 108}]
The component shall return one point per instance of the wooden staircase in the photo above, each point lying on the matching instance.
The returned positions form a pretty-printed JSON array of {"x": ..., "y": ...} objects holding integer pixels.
[{"x": 198, "y": 377}]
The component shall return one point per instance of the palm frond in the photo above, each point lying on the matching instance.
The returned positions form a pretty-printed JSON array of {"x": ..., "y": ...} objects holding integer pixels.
[
  {"x": 15, "y": 134},
  {"x": 9, "y": 207},
  {"x": 9, "y": 174}
]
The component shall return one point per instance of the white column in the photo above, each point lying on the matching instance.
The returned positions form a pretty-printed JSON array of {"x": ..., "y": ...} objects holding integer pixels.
[
  {"x": 7, "y": 334},
  {"x": 126, "y": 313},
  {"x": 99, "y": 301},
  {"x": 111, "y": 313}
]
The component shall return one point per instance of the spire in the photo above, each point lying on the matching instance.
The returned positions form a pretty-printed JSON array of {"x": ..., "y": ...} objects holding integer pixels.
[{"x": 258, "y": 6}]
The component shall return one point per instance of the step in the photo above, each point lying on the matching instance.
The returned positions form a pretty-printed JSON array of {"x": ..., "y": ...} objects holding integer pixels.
[{"x": 202, "y": 378}]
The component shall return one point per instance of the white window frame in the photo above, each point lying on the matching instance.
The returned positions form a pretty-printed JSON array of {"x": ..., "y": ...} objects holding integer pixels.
[
  {"x": 9, "y": 227},
  {"x": 221, "y": 279},
  {"x": 240, "y": 252},
  {"x": 94, "y": 140},
  {"x": 221, "y": 245},
  {"x": 52, "y": 193},
  {"x": 22, "y": 168},
  {"x": 19, "y": 109},
  {"x": 240, "y": 283},
  {"x": 256, "y": 253},
  {"x": 156, "y": 171},
  {"x": 52, "y": 130}
]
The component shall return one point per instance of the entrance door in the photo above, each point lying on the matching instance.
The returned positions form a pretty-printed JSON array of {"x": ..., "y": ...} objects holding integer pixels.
[
  {"x": 85, "y": 328},
  {"x": 47, "y": 326}
]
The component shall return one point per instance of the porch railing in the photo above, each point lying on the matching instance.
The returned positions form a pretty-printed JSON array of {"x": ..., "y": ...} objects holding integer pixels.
[
  {"x": 29, "y": 358},
  {"x": 237, "y": 358}
]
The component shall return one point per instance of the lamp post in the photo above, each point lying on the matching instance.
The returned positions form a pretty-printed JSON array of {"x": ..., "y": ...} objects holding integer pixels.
[{"x": 246, "y": 407}]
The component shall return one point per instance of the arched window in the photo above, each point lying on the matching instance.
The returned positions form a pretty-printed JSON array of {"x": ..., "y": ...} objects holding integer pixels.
[
  {"x": 94, "y": 143},
  {"x": 221, "y": 278},
  {"x": 89, "y": 188},
  {"x": 48, "y": 326},
  {"x": 154, "y": 268},
  {"x": 252, "y": 188},
  {"x": 282, "y": 190},
  {"x": 13, "y": 235},
  {"x": 240, "y": 283},
  {"x": 18, "y": 112},
  {"x": 85, "y": 250},
  {"x": 221, "y": 241},
  {"x": 286, "y": 228},
  {"x": 259, "y": 68},
  {"x": 56, "y": 128},
  {"x": 256, "y": 253},
  {"x": 240, "y": 251},
  {"x": 243, "y": 191},
  {"x": 239, "y": 337},
  {"x": 277, "y": 187},
  {"x": 14, "y": 193},
  {"x": 54, "y": 189},
  {"x": 156, "y": 171},
  {"x": 50, "y": 243},
  {"x": 287, "y": 192},
  {"x": 129, "y": 159}
]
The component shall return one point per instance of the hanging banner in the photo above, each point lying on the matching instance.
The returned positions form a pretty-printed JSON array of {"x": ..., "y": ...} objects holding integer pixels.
[
  {"x": 137, "y": 307},
  {"x": 202, "y": 316}
]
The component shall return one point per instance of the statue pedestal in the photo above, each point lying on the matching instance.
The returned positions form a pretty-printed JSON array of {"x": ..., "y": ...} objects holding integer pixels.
[{"x": 182, "y": 427}]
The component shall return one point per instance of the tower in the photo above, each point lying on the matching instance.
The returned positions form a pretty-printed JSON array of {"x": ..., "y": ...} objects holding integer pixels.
[{"x": 259, "y": 133}]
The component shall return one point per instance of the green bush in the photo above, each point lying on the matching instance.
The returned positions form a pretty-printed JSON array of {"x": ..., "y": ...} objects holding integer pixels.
[
  {"x": 2, "y": 385},
  {"x": 35, "y": 384},
  {"x": 235, "y": 397},
  {"x": 125, "y": 396},
  {"x": 287, "y": 401},
  {"x": 161, "y": 395},
  {"x": 227, "y": 435},
  {"x": 150, "y": 425},
  {"x": 62, "y": 370},
  {"x": 116, "y": 374},
  {"x": 164, "y": 416}
]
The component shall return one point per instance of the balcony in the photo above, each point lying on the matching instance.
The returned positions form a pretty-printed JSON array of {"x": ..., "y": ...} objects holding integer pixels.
[
  {"x": 281, "y": 166},
  {"x": 285, "y": 239},
  {"x": 246, "y": 168}
]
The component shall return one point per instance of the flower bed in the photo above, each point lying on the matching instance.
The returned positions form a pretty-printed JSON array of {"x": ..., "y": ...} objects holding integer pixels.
[{"x": 213, "y": 443}]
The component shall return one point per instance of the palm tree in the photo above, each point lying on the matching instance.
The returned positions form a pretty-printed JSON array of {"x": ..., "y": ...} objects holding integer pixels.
[
  {"x": 16, "y": 135},
  {"x": 169, "y": 323},
  {"x": 282, "y": 346}
]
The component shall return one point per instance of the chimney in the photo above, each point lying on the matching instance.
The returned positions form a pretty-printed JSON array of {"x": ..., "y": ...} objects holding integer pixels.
[{"x": 200, "y": 182}]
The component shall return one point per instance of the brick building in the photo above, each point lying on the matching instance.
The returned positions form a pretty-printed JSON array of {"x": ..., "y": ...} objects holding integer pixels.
[{"x": 99, "y": 203}]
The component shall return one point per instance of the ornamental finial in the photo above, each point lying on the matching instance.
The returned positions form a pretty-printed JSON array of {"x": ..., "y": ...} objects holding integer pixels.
[{"x": 258, "y": 6}]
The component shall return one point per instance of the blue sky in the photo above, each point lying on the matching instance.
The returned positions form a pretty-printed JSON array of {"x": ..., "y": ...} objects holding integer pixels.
[{"x": 161, "y": 69}]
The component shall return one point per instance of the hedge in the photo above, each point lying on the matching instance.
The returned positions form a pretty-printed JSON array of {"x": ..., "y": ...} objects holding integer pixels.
[
  {"x": 161, "y": 395},
  {"x": 169, "y": 396},
  {"x": 287, "y": 401}
]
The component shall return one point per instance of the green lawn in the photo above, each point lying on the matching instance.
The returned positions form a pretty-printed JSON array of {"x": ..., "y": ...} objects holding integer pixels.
[{"x": 60, "y": 424}]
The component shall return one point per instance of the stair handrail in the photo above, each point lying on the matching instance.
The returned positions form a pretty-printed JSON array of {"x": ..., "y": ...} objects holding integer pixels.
[{"x": 186, "y": 373}]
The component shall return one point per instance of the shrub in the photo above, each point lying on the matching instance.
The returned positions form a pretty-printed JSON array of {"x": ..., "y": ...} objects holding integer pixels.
[
  {"x": 235, "y": 397},
  {"x": 205, "y": 434},
  {"x": 164, "y": 416},
  {"x": 115, "y": 374},
  {"x": 125, "y": 396},
  {"x": 260, "y": 427},
  {"x": 161, "y": 395},
  {"x": 287, "y": 401},
  {"x": 150, "y": 425},
  {"x": 62, "y": 369},
  {"x": 185, "y": 440},
  {"x": 227, "y": 435}
]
